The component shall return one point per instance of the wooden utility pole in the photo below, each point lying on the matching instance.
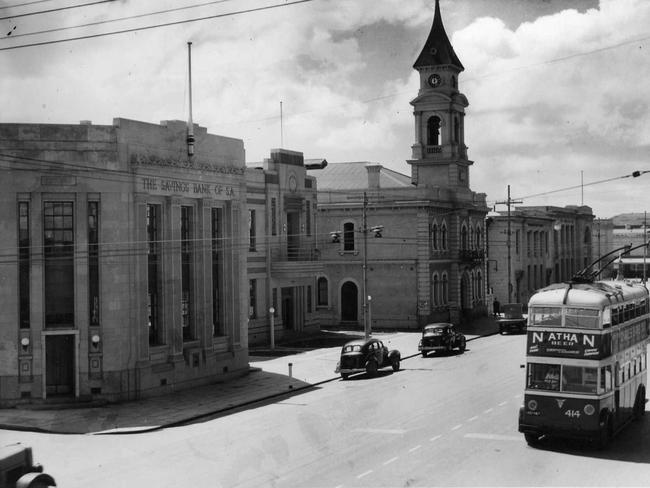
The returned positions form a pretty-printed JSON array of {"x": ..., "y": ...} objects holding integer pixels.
[{"x": 509, "y": 202}]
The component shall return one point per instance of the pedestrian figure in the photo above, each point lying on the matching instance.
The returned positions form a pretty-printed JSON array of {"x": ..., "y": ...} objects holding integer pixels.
[{"x": 496, "y": 307}]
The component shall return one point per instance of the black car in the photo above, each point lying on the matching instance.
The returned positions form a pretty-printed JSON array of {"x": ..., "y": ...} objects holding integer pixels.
[
  {"x": 366, "y": 355},
  {"x": 512, "y": 319},
  {"x": 441, "y": 337}
]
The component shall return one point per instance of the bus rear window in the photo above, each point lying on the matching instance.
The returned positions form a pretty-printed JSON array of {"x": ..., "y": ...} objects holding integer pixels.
[
  {"x": 551, "y": 316},
  {"x": 584, "y": 318}
]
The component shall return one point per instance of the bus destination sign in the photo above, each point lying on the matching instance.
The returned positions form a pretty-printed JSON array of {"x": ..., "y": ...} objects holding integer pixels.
[{"x": 566, "y": 344}]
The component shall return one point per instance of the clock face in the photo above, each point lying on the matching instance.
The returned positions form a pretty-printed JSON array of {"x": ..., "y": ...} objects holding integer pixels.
[
  {"x": 435, "y": 80},
  {"x": 293, "y": 184}
]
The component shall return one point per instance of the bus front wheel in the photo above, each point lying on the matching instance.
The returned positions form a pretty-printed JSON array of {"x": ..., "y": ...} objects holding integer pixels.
[
  {"x": 606, "y": 431},
  {"x": 639, "y": 404}
]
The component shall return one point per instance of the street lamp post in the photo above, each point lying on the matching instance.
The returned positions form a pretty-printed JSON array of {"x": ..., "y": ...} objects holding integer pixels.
[{"x": 272, "y": 314}]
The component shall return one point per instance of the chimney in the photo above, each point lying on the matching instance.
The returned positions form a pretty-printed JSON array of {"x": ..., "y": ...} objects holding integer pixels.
[{"x": 373, "y": 175}]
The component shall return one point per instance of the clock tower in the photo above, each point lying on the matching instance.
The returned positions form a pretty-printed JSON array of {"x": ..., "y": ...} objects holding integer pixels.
[{"x": 439, "y": 155}]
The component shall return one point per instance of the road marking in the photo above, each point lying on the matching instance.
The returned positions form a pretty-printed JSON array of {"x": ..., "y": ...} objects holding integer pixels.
[
  {"x": 473, "y": 418},
  {"x": 502, "y": 404},
  {"x": 391, "y": 460},
  {"x": 364, "y": 474},
  {"x": 494, "y": 437},
  {"x": 488, "y": 410},
  {"x": 456, "y": 427},
  {"x": 380, "y": 431},
  {"x": 435, "y": 438},
  {"x": 413, "y": 449}
]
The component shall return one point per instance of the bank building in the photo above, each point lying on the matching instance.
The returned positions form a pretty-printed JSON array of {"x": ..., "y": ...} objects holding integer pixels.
[{"x": 124, "y": 263}]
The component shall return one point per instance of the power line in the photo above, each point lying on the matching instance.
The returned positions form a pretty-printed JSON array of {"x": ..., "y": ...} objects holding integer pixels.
[
  {"x": 16, "y": 5},
  {"x": 58, "y": 9},
  {"x": 119, "y": 19},
  {"x": 155, "y": 26}
]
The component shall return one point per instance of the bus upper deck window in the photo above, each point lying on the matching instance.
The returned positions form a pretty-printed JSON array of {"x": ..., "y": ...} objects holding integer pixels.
[
  {"x": 583, "y": 318},
  {"x": 545, "y": 316}
]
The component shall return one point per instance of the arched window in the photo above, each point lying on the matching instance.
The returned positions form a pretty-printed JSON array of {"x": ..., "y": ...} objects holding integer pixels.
[
  {"x": 433, "y": 131},
  {"x": 348, "y": 236},
  {"x": 479, "y": 238},
  {"x": 463, "y": 237},
  {"x": 479, "y": 292},
  {"x": 443, "y": 237},
  {"x": 445, "y": 289},
  {"x": 587, "y": 237},
  {"x": 436, "y": 290},
  {"x": 434, "y": 236},
  {"x": 456, "y": 130},
  {"x": 323, "y": 292},
  {"x": 470, "y": 243}
]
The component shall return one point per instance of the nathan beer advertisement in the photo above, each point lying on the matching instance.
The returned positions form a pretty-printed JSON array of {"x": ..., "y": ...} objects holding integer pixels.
[{"x": 567, "y": 344}]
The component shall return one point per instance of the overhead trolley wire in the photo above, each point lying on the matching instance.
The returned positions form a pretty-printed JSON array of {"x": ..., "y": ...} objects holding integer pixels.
[
  {"x": 119, "y": 19},
  {"x": 155, "y": 26},
  {"x": 58, "y": 9}
]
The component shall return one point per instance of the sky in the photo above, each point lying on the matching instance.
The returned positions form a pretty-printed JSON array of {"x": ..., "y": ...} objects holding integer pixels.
[{"x": 558, "y": 98}]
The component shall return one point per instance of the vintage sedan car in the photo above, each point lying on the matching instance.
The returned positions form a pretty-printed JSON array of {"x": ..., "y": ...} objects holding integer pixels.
[
  {"x": 512, "y": 319},
  {"x": 441, "y": 337},
  {"x": 366, "y": 355}
]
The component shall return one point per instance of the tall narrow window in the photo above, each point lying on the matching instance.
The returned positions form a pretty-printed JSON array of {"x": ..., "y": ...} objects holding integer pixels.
[
  {"x": 153, "y": 273},
  {"x": 252, "y": 299},
  {"x": 434, "y": 236},
  {"x": 445, "y": 288},
  {"x": 308, "y": 217},
  {"x": 251, "y": 231},
  {"x": 433, "y": 131},
  {"x": 456, "y": 130},
  {"x": 309, "y": 299},
  {"x": 463, "y": 238},
  {"x": 436, "y": 290},
  {"x": 348, "y": 236},
  {"x": 93, "y": 263},
  {"x": 186, "y": 274},
  {"x": 322, "y": 291},
  {"x": 274, "y": 218},
  {"x": 217, "y": 328},
  {"x": 443, "y": 237},
  {"x": 23, "y": 263},
  {"x": 58, "y": 241}
]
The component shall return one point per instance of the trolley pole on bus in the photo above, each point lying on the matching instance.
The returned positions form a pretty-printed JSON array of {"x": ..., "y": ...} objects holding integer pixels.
[{"x": 509, "y": 202}]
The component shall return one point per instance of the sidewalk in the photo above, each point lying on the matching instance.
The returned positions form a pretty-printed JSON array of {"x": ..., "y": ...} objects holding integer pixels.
[{"x": 270, "y": 376}]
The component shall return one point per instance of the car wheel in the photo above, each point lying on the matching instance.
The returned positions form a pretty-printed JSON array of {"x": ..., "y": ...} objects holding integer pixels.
[
  {"x": 371, "y": 367},
  {"x": 424, "y": 354},
  {"x": 344, "y": 376},
  {"x": 532, "y": 439},
  {"x": 448, "y": 348},
  {"x": 395, "y": 364},
  {"x": 463, "y": 345}
]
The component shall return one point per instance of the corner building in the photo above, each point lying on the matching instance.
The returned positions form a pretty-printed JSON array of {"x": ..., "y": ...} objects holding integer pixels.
[
  {"x": 428, "y": 264},
  {"x": 123, "y": 262}
]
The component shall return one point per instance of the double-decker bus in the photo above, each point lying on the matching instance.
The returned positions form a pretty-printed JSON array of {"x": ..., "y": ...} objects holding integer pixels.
[{"x": 585, "y": 360}]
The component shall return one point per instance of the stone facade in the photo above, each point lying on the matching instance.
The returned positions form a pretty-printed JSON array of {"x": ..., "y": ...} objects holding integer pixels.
[
  {"x": 428, "y": 264},
  {"x": 125, "y": 267},
  {"x": 283, "y": 256},
  {"x": 547, "y": 245}
]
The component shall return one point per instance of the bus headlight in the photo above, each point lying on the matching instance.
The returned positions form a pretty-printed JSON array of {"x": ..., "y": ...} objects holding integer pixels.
[
  {"x": 532, "y": 405},
  {"x": 589, "y": 409}
]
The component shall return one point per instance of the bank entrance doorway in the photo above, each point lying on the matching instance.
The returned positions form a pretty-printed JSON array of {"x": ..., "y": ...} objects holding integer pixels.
[{"x": 59, "y": 364}]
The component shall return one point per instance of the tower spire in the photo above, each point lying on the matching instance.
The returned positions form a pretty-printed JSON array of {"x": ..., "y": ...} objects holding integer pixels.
[{"x": 437, "y": 49}]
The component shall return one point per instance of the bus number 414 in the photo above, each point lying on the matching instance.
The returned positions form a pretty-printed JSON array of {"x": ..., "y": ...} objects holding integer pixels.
[{"x": 572, "y": 413}]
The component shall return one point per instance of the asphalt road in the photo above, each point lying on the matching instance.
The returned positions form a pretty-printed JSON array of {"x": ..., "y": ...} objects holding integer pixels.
[{"x": 440, "y": 421}]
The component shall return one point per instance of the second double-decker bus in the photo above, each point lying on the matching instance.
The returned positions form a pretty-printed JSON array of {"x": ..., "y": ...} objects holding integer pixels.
[{"x": 585, "y": 360}]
